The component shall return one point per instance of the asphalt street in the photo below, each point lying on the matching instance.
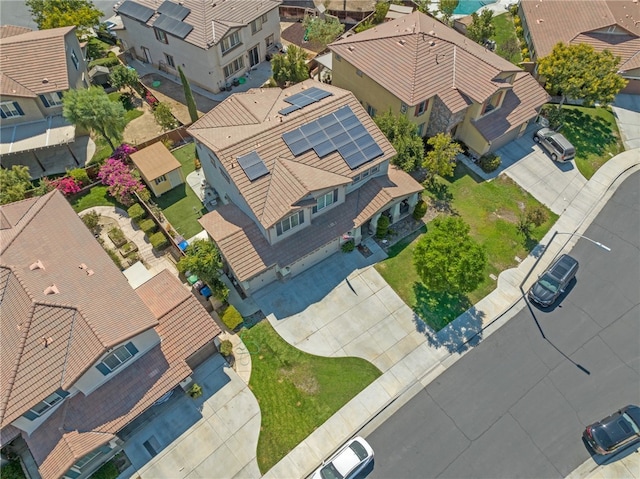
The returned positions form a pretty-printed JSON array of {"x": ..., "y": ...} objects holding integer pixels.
[{"x": 517, "y": 404}]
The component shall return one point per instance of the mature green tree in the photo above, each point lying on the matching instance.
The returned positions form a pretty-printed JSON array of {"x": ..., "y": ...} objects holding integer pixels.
[
  {"x": 64, "y": 13},
  {"x": 188, "y": 94},
  {"x": 404, "y": 137},
  {"x": 14, "y": 183},
  {"x": 382, "y": 8},
  {"x": 441, "y": 158},
  {"x": 290, "y": 67},
  {"x": 447, "y": 259},
  {"x": 579, "y": 72},
  {"x": 422, "y": 5},
  {"x": 481, "y": 27},
  {"x": 121, "y": 77},
  {"x": 204, "y": 260},
  {"x": 322, "y": 31},
  {"x": 92, "y": 109},
  {"x": 163, "y": 116},
  {"x": 447, "y": 7}
]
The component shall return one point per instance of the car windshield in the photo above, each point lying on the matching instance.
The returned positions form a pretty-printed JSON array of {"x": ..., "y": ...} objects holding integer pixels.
[
  {"x": 359, "y": 450},
  {"x": 330, "y": 472},
  {"x": 549, "y": 283},
  {"x": 632, "y": 423}
]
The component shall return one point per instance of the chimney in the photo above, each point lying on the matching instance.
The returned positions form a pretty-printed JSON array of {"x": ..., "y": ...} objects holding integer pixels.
[
  {"x": 37, "y": 265},
  {"x": 53, "y": 289}
]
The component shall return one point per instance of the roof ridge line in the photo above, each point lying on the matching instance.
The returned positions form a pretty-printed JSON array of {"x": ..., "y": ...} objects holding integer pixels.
[{"x": 20, "y": 227}]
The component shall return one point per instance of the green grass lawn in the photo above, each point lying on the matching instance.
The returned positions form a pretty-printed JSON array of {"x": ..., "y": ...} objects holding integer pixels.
[
  {"x": 97, "y": 196},
  {"x": 492, "y": 210},
  {"x": 504, "y": 31},
  {"x": 594, "y": 133},
  {"x": 180, "y": 205},
  {"x": 297, "y": 392}
]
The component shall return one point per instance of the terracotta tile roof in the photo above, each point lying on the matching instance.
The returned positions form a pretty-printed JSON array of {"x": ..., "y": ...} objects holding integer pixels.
[
  {"x": 519, "y": 105},
  {"x": 627, "y": 47},
  {"x": 154, "y": 161},
  {"x": 250, "y": 121},
  {"x": 248, "y": 252},
  {"x": 553, "y": 21},
  {"x": 416, "y": 57},
  {"x": 47, "y": 56},
  {"x": 78, "y": 323},
  {"x": 10, "y": 87},
  {"x": 212, "y": 20},
  {"x": 11, "y": 30}
]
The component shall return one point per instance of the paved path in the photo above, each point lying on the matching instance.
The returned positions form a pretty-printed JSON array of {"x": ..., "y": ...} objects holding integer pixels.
[{"x": 626, "y": 109}]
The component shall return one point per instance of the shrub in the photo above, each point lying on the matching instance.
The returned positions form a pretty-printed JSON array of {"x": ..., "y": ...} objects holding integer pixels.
[
  {"x": 516, "y": 21},
  {"x": 123, "y": 151},
  {"x": 104, "y": 62},
  {"x": 519, "y": 30},
  {"x": 383, "y": 227},
  {"x": 12, "y": 470},
  {"x": 136, "y": 212},
  {"x": 127, "y": 101},
  {"x": 91, "y": 220},
  {"x": 129, "y": 249},
  {"x": 115, "y": 257},
  {"x": 158, "y": 240},
  {"x": 420, "y": 210},
  {"x": 513, "y": 9},
  {"x": 490, "y": 163},
  {"x": 148, "y": 226},
  {"x": 80, "y": 176},
  {"x": 196, "y": 163},
  {"x": 168, "y": 143},
  {"x": 348, "y": 246},
  {"x": 231, "y": 318},
  {"x": 226, "y": 348},
  {"x": 537, "y": 214},
  {"x": 555, "y": 116},
  {"x": 117, "y": 236},
  {"x": 195, "y": 391}
]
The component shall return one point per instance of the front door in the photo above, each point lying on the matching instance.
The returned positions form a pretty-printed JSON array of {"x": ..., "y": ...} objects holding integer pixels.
[
  {"x": 147, "y": 55},
  {"x": 254, "y": 56}
]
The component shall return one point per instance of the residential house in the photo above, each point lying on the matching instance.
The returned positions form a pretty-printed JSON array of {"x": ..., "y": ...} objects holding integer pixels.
[
  {"x": 213, "y": 41},
  {"x": 37, "y": 68},
  {"x": 439, "y": 79},
  {"x": 160, "y": 170},
  {"x": 299, "y": 172},
  {"x": 82, "y": 354},
  {"x": 612, "y": 25}
]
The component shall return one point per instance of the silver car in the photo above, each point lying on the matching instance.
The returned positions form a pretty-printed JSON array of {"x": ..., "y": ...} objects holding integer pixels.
[{"x": 556, "y": 144}]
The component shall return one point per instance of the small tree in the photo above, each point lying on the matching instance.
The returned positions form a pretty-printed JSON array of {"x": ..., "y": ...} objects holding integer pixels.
[
  {"x": 322, "y": 31},
  {"x": 481, "y": 27},
  {"x": 290, "y": 67},
  {"x": 80, "y": 175},
  {"x": 64, "y": 13},
  {"x": 404, "y": 137},
  {"x": 91, "y": 220},
  {"x": 92, "y": 109},
  {"x": 509, "y": 49},
  {"x": 441, "y": 159},
  {"x": 447, "y": 259},
  {"x": 422, "y": 5},
  {"x": 188, "y": 94},
  {"x": 163, "y": 116},
  {"x": 536, "y": 214},
  {"x": 121, "y": 77},
  {"x": 577, "y": 71},
  {"x": 382, "y": 8},
  {"x": 447, "y": 7},
  {"x": 121, "y": 181},
  {"x": 203, "y": 259},
  {"x": 14, "y": 183}
]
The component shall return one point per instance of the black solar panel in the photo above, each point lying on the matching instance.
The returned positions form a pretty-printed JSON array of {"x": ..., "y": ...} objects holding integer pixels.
[
  {"x": 253, "y": 166},
  {"x": 136, "y": 11},
  {"x": 307, "y": 97},
  {"x": 289, "y": 109},
  {"x": 310, "y": 128},
  {"x": 172, "y": 26},
  {"x": 324, "y": 148},
  {"x": 174, "y": 10}
]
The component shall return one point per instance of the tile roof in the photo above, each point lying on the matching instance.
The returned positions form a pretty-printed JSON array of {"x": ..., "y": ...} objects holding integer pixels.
[
  {"x": 519, "y": 105},
  {"x": 154, "y": 161},
  {"x": 250, "y": 121},
  {"x": 416, "y": 57},
  {"x": 553, "y": 21},
  {"x": 78, "y": 323},
  {"x": 627, "y": 47},
  {"x": 213, "y": 19},
  {"x": 46, "y": 68},
  {"x": 83, "y": 423},
  {"x": 11, "y": 30},
  {"x": 248, "y": 252}
]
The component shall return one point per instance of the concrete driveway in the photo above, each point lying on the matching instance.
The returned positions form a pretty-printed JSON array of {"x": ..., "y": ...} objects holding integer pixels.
[{"x": 626, "y": 109}]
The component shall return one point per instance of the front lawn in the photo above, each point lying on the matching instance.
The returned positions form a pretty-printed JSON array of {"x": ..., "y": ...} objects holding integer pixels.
[
  {"x": 297, "y": 392},
  {"x": 492, "y": 210},
  {"x": 180, "y": 205},
  {"x": 505, "y": 30},
  {"x": 97, "y": 196}
]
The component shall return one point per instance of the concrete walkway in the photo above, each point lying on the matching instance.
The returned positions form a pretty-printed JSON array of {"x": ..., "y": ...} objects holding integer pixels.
[{"x": 626, "y": 109}]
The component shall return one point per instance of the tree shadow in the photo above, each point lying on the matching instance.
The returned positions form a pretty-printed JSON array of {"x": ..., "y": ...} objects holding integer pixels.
[
  {"x": 589, "y": 134},
  {"x": 440, "y": 196}
]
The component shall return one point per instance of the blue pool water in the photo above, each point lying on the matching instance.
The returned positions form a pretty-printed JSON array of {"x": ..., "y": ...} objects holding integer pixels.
[{"x": 467, "y": 7}]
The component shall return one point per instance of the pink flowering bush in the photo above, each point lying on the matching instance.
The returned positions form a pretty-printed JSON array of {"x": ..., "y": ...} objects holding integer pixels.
[
  {"x": 66, "y": 185},
  {"x": 120, "y": 179},
  {"x": 123, "y": 151},
  {"x": 151, "y": 100}
]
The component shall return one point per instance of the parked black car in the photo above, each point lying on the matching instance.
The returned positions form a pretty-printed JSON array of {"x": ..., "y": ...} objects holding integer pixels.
[
  {"x": 552, "y": 283},
  {"x": 614, "y": 432}
]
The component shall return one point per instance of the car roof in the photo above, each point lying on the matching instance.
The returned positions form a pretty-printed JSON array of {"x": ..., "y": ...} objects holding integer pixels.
[
  {"x": 562, "y": 266},
  {"x": 345, "y": 461},
  {"x": 617, "y": 429}
]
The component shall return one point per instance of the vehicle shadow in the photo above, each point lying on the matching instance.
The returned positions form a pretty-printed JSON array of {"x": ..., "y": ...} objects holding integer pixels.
[
  {"x": 558, "y": 302},
  {"x": 623, "y": 453},
  {"x": 366, "y": 471}
]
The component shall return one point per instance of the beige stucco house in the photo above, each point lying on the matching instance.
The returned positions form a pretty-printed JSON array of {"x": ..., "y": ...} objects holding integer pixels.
[
  {"x": 298, "y": 172},
  {"x": 212, "y": 41},
  {"x": 442, "y": 81},
  {"x": 159, "y": 169}
]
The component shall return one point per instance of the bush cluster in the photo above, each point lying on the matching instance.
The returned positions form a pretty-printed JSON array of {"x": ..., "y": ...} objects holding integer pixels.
[
  {"x": 231, "y": 318},
  {"x": 148, "y": 226},
  {"x": 382, "y": 229},
  {"x": 117, "y": 236},
  {"x": 136, "y": 212},
  {"x": 158, "y": 240},
  {"x": 490, "y": 163},
  {"x": 420, "y": 210},
  {"x": 348, "y": 247}
]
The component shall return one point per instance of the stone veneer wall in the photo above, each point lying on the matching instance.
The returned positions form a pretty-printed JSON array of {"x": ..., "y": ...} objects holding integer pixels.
[{"x": 441, "y": 119}]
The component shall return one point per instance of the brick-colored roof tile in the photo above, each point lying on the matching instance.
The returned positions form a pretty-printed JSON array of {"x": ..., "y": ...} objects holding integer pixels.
[{"x": 154, "y": 161}]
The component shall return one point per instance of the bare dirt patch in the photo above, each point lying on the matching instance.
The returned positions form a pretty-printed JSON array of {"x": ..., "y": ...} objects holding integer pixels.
[
  {"x": 142, "y": 128},
  {"x": 302, "y": 379}
]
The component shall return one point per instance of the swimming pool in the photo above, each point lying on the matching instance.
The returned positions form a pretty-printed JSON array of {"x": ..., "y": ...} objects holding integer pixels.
[{"x": 467, "y": 7}]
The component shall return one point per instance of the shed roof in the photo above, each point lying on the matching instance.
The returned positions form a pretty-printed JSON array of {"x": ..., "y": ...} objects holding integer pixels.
[{"x": 154, "y": 161}]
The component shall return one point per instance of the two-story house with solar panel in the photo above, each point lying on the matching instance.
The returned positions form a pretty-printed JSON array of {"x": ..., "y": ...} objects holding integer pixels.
[
  {"x": 298, "y": 172},
  {"x": 213, "y": 41}
]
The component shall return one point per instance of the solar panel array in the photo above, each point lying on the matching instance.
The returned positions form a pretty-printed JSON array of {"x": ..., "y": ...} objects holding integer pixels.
[
  {"x": 135, "y": 10},
  {"x": 253, "y": 166},
  {"x": 341, "y": 131},
  {"x": 305, "y": 98},
  {"x": 172, "y": 26},
  {"x": 174, "y": 10}
]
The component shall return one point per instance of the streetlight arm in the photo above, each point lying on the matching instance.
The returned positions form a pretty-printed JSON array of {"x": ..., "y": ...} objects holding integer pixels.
[{"x": 597, "y": 243}]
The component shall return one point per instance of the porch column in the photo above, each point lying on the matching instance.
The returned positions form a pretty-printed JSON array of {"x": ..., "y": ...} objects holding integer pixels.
[
  {"x": 357, "y": 235},
  {"x": 374, "y": 223},
  {"x": 413, "y": 200},
  {"x": 395, "y": 212}
]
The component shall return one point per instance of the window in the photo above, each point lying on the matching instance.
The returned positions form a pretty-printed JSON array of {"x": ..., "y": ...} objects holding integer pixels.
[
  {"x": 359, "y": 73},
  {"x": 117, "y": 358},
  {"x": 337, "y": 57},
  {"x": 403, "y": 107},
  {"x": 365, "y": 174},
  {"x": 269, "y": 41},
  {"x": 326, "y": 200},
  {"x": 74, "y": 59},
  {"x": 264, "y": 18},
  {"x": 256, "y": 26},
  {"x": 421, "y": 129},
  {"x": 170, "y": 60},
  {"x": 161, "y": 36},
  {"x": 421, "y": 108},
  {"x": 51, "y": 99},
  {"x": 10, "y": 109},
  {"x": 356, "y": 178},
  {"x": 225, "y": 176},
  {"x": 84, "y": 460},
  {"x": 492, "y": 103},
  {"x": 48, "y": 402},
  {"x": 161, "y": 179},
  {"x": 233, "y": 67},
  {"x": 371, "y": 110},
  {"x": 291, "y": 222},
  {"x": 375, "y": 169},
  {"x": 229, "y": 42}
]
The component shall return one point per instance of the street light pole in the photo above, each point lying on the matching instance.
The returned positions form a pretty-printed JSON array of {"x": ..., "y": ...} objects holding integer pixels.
[{"x": 597, "y": 243}]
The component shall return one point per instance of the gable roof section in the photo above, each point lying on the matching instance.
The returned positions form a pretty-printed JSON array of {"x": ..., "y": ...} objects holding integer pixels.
[
  {"x": 553, "y": 21},
  {"x": 154, "y": 161},
  {"x": 231, "y": 131},
  {"x": 46, "y": 68},
  {"x": 11, "y": 30},
  {"x": 416, "y": 57},
  {"x": 213, "y": 19},
  {"x": 627, "y": 47},
  {"x": 78, "y": 324}
]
